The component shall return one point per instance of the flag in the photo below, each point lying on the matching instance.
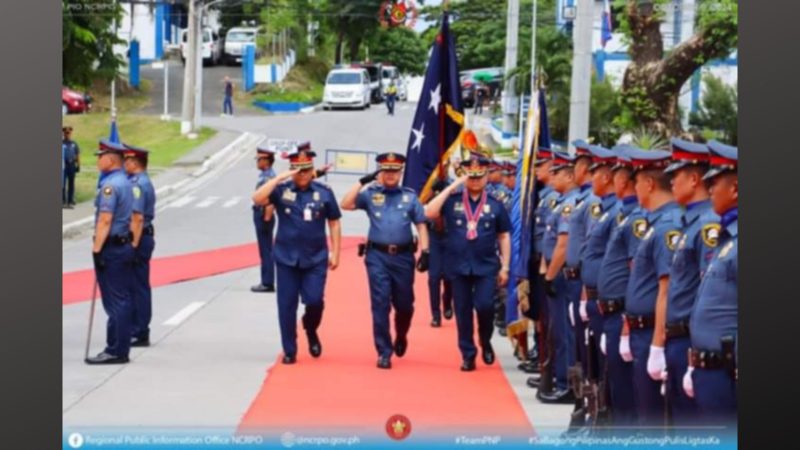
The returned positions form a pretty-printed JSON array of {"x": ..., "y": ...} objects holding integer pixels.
[
  {"x": 524, "y": 200},
  {"x": 438, "y": 124},
  {"x": 113, "y": 136},
  {"x": 606, "y": 27}
]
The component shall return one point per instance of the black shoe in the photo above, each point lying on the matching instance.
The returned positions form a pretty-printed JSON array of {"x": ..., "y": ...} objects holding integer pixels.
[
  {"x": 448, "y": 313},
  {"x": 436, "y": 322},
  {"x": 314, "y": 345},
  {"x": 468, "y": 365},
  {"x": 502, "y": 331},
  {"x": 487, "y": 353},
  {"x": 561, "y": 396},
  {"x": 289, "y": 359},
  {"x": 107, "y": 358},
  {"x": 384, "y": 362},
  {"x": 400, "y": 346},
  {"x": 529, "y": 367},
  {"x": 533, "y": 354},
  {"x": 533, "y": 382},
  {"x": 262, "y": 288},
  {"x": 140, "y": 342}
]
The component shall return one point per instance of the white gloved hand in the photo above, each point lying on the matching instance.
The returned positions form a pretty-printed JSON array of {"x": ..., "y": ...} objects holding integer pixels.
[
  {"x": 603, "y": 343},
  {"x": 656, "y": 363},
  {"x": 625, "y": 348},
  {"x": 582, "y": 311},
  {"x": 688, "y": 385},
  {"x": 571, "y": 314}
]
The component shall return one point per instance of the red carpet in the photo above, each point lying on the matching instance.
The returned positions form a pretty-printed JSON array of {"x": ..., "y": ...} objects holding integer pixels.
[{"x": 344, "y": 389}]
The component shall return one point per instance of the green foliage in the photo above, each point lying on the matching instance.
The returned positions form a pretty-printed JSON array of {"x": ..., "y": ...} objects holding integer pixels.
[
  {"x": 304, "y": 83},
  {"x": 87, "y": 41},
  {"x": 604, "y": 108},
  {"x": 718, "y": 112},
  {"x": 401, "y": 47},
  {"x": 649, "y": 140}
]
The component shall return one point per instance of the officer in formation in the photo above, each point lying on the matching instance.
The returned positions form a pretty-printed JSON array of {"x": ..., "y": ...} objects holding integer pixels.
[
  {"x": 264, "y": 221},
  {"x": 496, "y": 188},
  {"x": 71, "y": 165},
  {"x": 302, "y": 258},
  {"x": 112, "y": 251},
  {"x": 510, "y": 176},
  {"x": 712, "y": 374},
  {"x": 144, "y": 207},
  {"x": 699, "y": 230},
  {"x": 440, "y": 289},
  {"x": 477, "y": 225},
  {"x": 390, "y": 248}
]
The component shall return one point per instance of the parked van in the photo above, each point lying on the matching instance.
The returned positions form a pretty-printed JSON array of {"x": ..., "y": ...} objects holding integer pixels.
[
  {"x": 212, "y": 47},
  {"x": 347, "y": 88},
  {"x": 235, "y": 41}
]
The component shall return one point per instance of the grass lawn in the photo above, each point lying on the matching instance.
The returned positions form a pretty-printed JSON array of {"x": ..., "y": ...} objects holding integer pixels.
[
  {"x": 163, "y": 139},
  {"x": 304, "y": 83}
]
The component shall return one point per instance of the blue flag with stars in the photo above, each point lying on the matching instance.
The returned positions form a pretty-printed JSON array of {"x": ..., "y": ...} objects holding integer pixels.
[{"x": 439, "y": 121}]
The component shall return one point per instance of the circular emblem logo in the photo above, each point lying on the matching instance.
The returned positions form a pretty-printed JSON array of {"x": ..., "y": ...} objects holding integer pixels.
[{"x": 398, "y": 427}]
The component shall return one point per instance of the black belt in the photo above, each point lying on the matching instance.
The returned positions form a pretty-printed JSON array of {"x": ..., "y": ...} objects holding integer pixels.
[
  {"x": 611, "y": 305},
  {"x": 149, "y": 230},
  {"x": 572, "y": 273},
  {"x": 641, "y": 322},
  {"x": 705, "y": 359},
  {"x": 678, "y": 329},
  {"x": 391, "y": 249},
  {"x": 591, "y": 293},
  {"x": 120, "y": 239}
]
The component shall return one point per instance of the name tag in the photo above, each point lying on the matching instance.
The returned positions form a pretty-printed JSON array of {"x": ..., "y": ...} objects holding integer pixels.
[{"x": 307, "y": 214}]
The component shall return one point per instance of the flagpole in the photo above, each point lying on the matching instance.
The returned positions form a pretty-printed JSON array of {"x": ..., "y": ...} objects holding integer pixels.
[{"x": 533, "y": 47}]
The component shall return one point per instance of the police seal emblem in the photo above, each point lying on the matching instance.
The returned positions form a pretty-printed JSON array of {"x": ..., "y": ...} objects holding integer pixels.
[{"x": 710, "y": 234}]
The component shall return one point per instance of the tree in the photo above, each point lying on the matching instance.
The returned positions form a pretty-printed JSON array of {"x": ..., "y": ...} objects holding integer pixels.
[
  {"x": 718, "y": 110},
  {"x": 401, "y": 47},
  {"x": 351, "y": 20},
  {"x": 652, "y": 82},
  {"x": 87, "y": 41}
]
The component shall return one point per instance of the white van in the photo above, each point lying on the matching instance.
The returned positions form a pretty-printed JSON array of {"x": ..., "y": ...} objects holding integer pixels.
[
  {"x": 235, "y": 41},
  {"x": 347, "y": 87},
  {"x": 212, "y": 48}
]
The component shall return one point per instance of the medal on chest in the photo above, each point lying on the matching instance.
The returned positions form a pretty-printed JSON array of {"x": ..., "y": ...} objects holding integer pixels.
[{"x": 473, "y": 215}]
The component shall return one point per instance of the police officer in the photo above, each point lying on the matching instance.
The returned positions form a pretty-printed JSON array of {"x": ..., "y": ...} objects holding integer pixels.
[
  {"x": 498, "y": 190},
  {"x": 112, "y": 252},
  {"x": 144, "y": 207},
  {"x": 301, "y": 252},
  {"x": 477, "y": 224},
  {"x": 264, "y": 221},
  {"x": 440, "y": 289},
  {"x": 711, "y": 376},
  {"x": 510, "y": 177},
  {"x": 71, "y": 154},
  {"x": 628, "y": 227},
  {"x": 649, "y": 279},
  {"x": 392, "y": 210},
  {"x": 699, "y": 233}
]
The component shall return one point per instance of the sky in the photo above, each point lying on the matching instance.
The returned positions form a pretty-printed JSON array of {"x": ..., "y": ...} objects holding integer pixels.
[{"x": 422, "y": 25}]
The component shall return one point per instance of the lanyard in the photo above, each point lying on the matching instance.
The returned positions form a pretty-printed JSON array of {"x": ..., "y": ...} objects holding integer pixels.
[{"x": 472, "y": 216}]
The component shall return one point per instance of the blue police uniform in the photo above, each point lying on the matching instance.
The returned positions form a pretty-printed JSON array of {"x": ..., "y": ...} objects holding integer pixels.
[
  {"x": 548, "y": 199},
  {"x": 440, "y": 289},
  {"x": 301, "y": 254},
  {"x": 390, "y": 258},
  {"x": 115, "y": 196},
  {"x": 144, "y": 202},
  {"x": 714, "y": 319},
  {"x": 264, "y": 231},
  {"x": 70, "y": 152}
]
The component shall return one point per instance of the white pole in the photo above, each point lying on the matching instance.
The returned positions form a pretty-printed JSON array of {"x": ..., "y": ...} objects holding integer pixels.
[
  {"x": 581, "y": 72},
  {"x": 166, "y": 89},
  {"x": 510, "y": 91},
  {"x": 533, "y": 48},
  {"x": 189, "y": 72},
  {"x": 114, "y": 80}
]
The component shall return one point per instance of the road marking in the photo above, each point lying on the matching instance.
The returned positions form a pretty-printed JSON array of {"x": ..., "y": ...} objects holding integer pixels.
[
  {"x": 184, "y": 314},
  {"x": 231, "y": 202},
  {"x": 183, "y": 201},
  {"x": 207, "y": 202}
]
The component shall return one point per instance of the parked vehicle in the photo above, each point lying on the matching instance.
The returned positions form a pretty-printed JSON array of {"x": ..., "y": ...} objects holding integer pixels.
[
  {"x": 347, "y": 88},
  {"x": 235, "y": 41},
  {"x": 468, "y": 83},
  {"x": 74, "y": 102},
  {"x": 212, "y": 46},
  {"x": 375, "y": 80}
]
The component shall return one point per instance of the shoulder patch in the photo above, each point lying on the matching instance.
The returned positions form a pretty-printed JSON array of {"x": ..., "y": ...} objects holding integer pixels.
[
  {"x": 596, "y": 210},
  {"x": 566, "y": 210},
  {"x": 107, "y": 191},
  {"x": 137, "y": 192},
  {"x": 672, "y": 238},
  {"x": 639, "y": 228},
  {"x": 710, "y": 234}
]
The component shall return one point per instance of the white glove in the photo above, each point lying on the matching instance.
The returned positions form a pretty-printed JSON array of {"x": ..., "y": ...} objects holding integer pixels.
[
  {"x": 582, "y": 311},
  {"x": 603, "y": 343},
  {"x": 625, "y": 348},
  {"x": 656, "y": 363},
  {"x": 571, "y": 314},
  {"x": 688, "y": 385}
]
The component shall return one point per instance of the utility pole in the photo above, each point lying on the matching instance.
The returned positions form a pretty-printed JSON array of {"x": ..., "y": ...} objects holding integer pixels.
[
  {"x": 189, "y": 72},
  {"x": 198, "y": 85},
  {"x": 580, "y": 95},
  {"x": 114, "y": 80},
  {"x": 510, "y": 92},
  {"x": 533, "y": 48}
]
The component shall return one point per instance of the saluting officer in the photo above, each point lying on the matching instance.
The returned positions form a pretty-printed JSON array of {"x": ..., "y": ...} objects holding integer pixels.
[
  {"x": 699, "y": 233},
  {"x": 264, "y": 221},
  {"x": 440, "y": 289},
  {"x": 628, "y": 227},
  {"x": 302, "y": 258},
  {"x": 112, "y": 251},
  {"x": 711, "y": 376},
  {"x": 477, "y": 224},
  {"x": 647, "y": 286},
  {"x": 144, "y": 210},
  {"x": 392, "y": 210}
]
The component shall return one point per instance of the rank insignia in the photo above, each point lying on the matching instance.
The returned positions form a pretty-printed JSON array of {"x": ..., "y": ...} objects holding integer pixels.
[
  {"x": 597, "y": 210},
  {"x": 315, "y": 196},
  {"x": 458, "y": 207},
  {"x": 672, "y": 238},
  {"x": 288, "y": 195},
  {"x": 639, "y": 228},
  {"x": 487, "y": 209},
  {"x": 724, "y": 252},
  {"x": 649, "y": 233},
  {"x": 621, "y": 219},
  {"x": 406, "y": 198},
  {"x": 541, "y": 203},
  {"x": 682, "y": 244},
  {"x": 552, "y": 203},
  {"x": 604, "y": 217},
  {"x": 137, "y": 192},
  {"x": 710, "y": 234},
  {"x": 107, "y": 191},
  {"x": 378, "y": 199}
]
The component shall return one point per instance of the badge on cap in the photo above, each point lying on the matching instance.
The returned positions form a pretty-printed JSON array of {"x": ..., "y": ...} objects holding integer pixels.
[
  {"x": 672, "y": 238},
  {"x": 710, "y": 234},
  {"x": 639, "y": 228}
]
